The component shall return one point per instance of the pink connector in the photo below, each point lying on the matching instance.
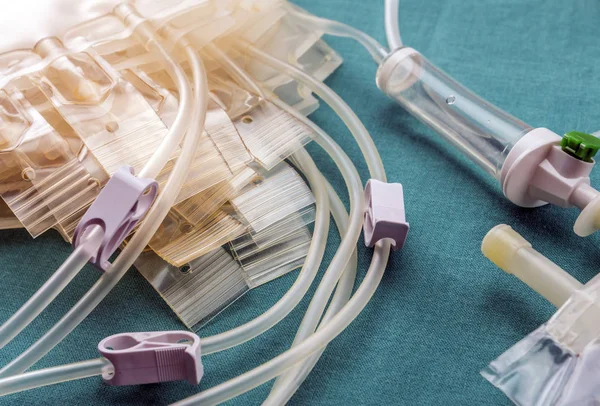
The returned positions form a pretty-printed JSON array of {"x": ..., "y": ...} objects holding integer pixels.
[
  {"x": 384, "y": 214},
  {"x": 120, "y": 206},
  {"x": 140, "y": 358}
]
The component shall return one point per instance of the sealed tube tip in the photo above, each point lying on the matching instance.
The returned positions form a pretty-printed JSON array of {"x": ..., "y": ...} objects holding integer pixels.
[
  {"x": 513, "y": 254},
  {"x": 501, "y": 244}
]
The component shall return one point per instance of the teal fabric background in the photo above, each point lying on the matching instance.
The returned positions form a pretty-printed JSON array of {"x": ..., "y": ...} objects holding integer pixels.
[{"x": 442, "y": 311}]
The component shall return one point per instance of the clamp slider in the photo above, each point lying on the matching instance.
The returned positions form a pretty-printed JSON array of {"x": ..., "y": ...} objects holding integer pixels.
[
  {"x": 384, "y": 214},
  {"x": 118, "y": 208},
  {"x": 153, "y": 357}
]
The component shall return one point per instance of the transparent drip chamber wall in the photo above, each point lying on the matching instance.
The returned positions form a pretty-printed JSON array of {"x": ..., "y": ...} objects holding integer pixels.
[{"x": 480, "y": 130}]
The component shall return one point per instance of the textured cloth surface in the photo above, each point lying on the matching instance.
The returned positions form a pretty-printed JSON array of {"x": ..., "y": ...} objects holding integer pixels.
[{"x": 442, "y": 311}]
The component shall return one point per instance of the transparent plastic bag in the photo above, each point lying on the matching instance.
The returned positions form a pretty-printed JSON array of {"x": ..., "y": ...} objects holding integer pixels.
[
  {"x": 199, "y": 290},
  {"x": 282, "y": 193},
  {"x": 272, "y": 134},
  {"x": 198, "y": 208},
  {"x": 208, "y": 169},
  {"x": 277, "y": 256},
  {"x": 533, "y": 372},
  {"x": 179, "y": 241},
  {"x": 224, "y": 135},
  {"x": 112, "y": 118},
  {"x": 275, "y": 231},
  {"x": 269, "y": 133},
  {"x": 558, "y": 364}
]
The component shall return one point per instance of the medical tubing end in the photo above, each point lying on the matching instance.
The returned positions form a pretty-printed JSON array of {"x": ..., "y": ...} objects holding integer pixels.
[
  {"x": 501, "y": 244},
  {"x": 513, "y": 254}
]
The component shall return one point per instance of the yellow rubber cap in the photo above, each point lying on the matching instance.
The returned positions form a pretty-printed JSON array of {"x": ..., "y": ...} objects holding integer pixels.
[{"x": 501, "y": 244}]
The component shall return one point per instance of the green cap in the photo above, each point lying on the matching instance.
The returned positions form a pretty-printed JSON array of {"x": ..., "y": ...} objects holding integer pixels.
[{"x": 580, "y": 145}]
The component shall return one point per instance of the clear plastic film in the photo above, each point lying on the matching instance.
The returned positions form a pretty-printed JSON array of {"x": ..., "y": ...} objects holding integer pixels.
[
  {"x": 199, "y": 21},
  {"x": 575, "y": 323},
  {"x": 162, "y": 101},
  {"x": 282, "y": 193},
  {"x": 202, "y": 22},
  {"x": 112, "y": 118},
  {"x": 278, "y": 255},
  {"x": 178, "y": 241},
  {"x": 539, "y": 370},
  {"x": 233, "y": 98},
  {"x": 272, "y": 134},
  {"x": 223, "y": 133},
  {"x": 557, "y": 364},
  {"x": 208, "y": 169},
  {"x": 534, "y": 371},
  {"x": 268, "y": 132},
  {"x": 199, "y": 290},
  {"x": 198, "y": 208},
  {"x": 302, "y": 47},
  {"x": 67, "y": 227},
  {"x": 280, "y": 229}
]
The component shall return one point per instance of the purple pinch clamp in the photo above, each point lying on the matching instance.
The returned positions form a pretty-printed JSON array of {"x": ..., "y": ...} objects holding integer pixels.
[
  {"x": 121, "y": 204},
  {"x": 153, "y": 357},
  {"x": 384, "y": 214}
]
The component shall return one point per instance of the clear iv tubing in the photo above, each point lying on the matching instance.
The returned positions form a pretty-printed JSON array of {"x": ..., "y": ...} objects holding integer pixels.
[
  {"x": 175, "y": 134},
  {"x": 356, "y": 127},
  {"x": 290, "y": 382},
  {"x": 298, "y": 290},
  {"x": 101, "y": 366},
  {"x": 339, "y": 30},
  {"x": 314, "y": 343},
  {"x": 75, "y": 263},
  {"x": 234, "y": 70},
  {"x": 346, "y": 286},
  {"x": 392, "y": 27},
  {"x": 52, "y": 287},
  {"x": 328, "y": 282},
  {"x": 295, "y": 294},
  {"x": 137, "y": 243},
  {"x": 319, "y": 301},
  {"x": 51, "y": 376},
  {"x": 350, "y": 311}
]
